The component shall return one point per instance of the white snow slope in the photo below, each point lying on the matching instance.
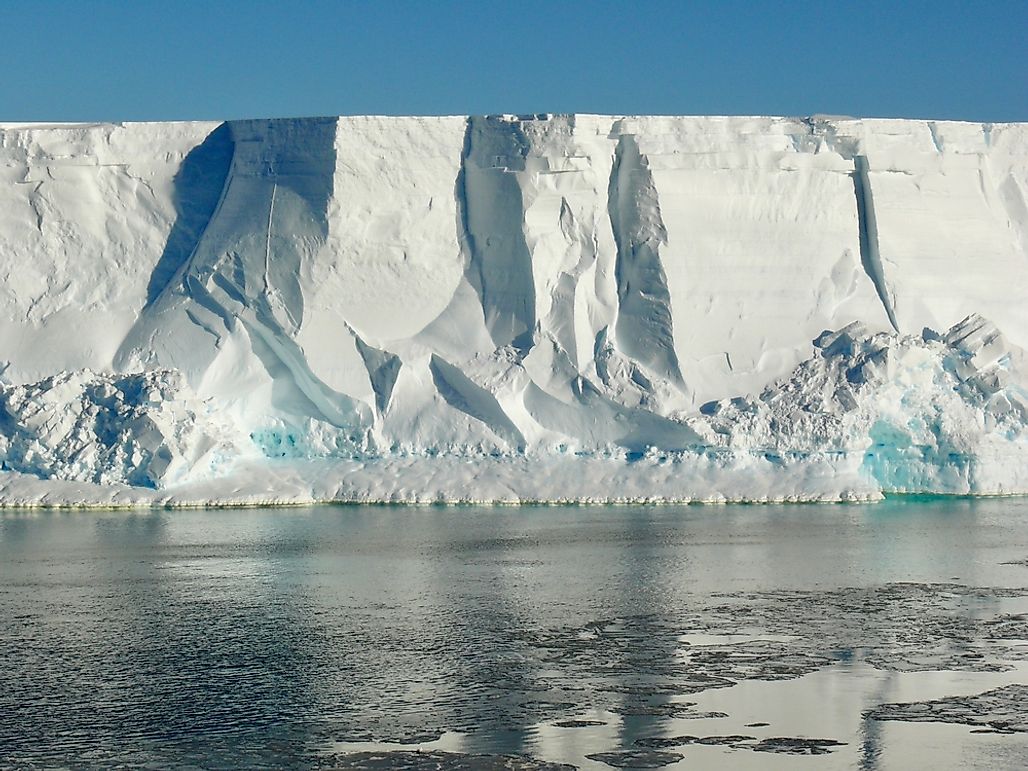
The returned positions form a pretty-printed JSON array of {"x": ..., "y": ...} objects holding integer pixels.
[{"x": 557, "y": 308}]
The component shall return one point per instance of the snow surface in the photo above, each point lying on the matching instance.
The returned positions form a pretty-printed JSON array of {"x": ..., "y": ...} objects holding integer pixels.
[{"x": 512, "y": 308}]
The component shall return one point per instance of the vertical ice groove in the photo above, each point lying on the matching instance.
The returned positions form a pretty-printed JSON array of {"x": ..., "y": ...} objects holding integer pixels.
[
  {"x": 199, "y": 188},
  {"x": 870, "y": 258},
  {"x": 1013, "y": 198},
  {"x": 267, "y": 243},
  {"x": 283, "y": 167},
  {"x": 490, "y": 209},
  {"x": 290, "y": 166},
  {"x": 465, "y": 238},
  {"x": 643, "y": 329},
  {"x": 581, "y": 253}
]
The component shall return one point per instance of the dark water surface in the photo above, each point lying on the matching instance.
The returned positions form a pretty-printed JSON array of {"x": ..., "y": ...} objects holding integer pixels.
[{"x": 865, "y": 636}]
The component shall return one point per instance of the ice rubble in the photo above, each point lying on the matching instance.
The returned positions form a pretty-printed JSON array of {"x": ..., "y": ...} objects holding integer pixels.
[
  {"x": 147, "y": 430},
  {"x": 922, "y": 412},
  {"x": 512, "y": 308}
]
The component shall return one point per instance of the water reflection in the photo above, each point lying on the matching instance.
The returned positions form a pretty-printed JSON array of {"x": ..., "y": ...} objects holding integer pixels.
[
  {"x": 870, "y": 730},
  {"x": 280, "y": 636}
]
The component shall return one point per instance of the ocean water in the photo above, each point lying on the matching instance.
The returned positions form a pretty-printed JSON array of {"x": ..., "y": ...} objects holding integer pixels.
[{"x": 885, "y": 636}]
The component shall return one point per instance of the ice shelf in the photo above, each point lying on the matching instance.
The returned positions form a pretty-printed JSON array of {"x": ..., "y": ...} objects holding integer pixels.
[{"x": 505, "y": 308}]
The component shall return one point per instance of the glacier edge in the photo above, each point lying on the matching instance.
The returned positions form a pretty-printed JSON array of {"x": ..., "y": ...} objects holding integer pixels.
[{"x": 535, "y": 308}]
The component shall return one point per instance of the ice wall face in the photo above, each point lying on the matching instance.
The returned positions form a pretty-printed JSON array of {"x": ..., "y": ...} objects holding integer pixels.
[
  {"x": 85, "y": 214},
  {"x": 368, "y": 288}
]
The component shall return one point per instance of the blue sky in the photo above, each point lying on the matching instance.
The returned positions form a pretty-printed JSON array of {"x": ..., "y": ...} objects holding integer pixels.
[{"x": 96, "y": 60}]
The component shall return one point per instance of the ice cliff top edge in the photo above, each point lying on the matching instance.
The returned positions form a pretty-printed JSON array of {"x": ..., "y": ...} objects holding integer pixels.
[{"x": 512, "y": 308}]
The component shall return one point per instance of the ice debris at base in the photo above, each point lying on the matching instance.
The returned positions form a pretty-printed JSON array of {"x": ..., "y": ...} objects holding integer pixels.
[
  {"x": 925, "y": 413},
  {"x": 513, "y": 308},
  {"x": 869, "y": 412},
  {"x": 146, "y": 429}
]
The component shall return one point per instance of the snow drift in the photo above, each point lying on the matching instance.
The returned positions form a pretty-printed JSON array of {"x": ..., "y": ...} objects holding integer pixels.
[{"x": 512, "y": 308}]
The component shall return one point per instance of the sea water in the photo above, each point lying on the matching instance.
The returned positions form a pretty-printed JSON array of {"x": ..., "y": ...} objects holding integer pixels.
[{"x": 518, "y": 637}]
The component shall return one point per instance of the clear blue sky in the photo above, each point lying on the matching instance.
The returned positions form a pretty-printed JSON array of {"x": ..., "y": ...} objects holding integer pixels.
[{"x": 96, "y": 60}]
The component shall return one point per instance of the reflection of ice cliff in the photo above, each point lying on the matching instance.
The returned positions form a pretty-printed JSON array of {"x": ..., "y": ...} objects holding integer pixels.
[{"x": 541, "y": 294}]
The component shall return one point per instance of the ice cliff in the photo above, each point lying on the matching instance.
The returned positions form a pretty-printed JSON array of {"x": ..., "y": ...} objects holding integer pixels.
[{"x": 512, "y": 308}]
